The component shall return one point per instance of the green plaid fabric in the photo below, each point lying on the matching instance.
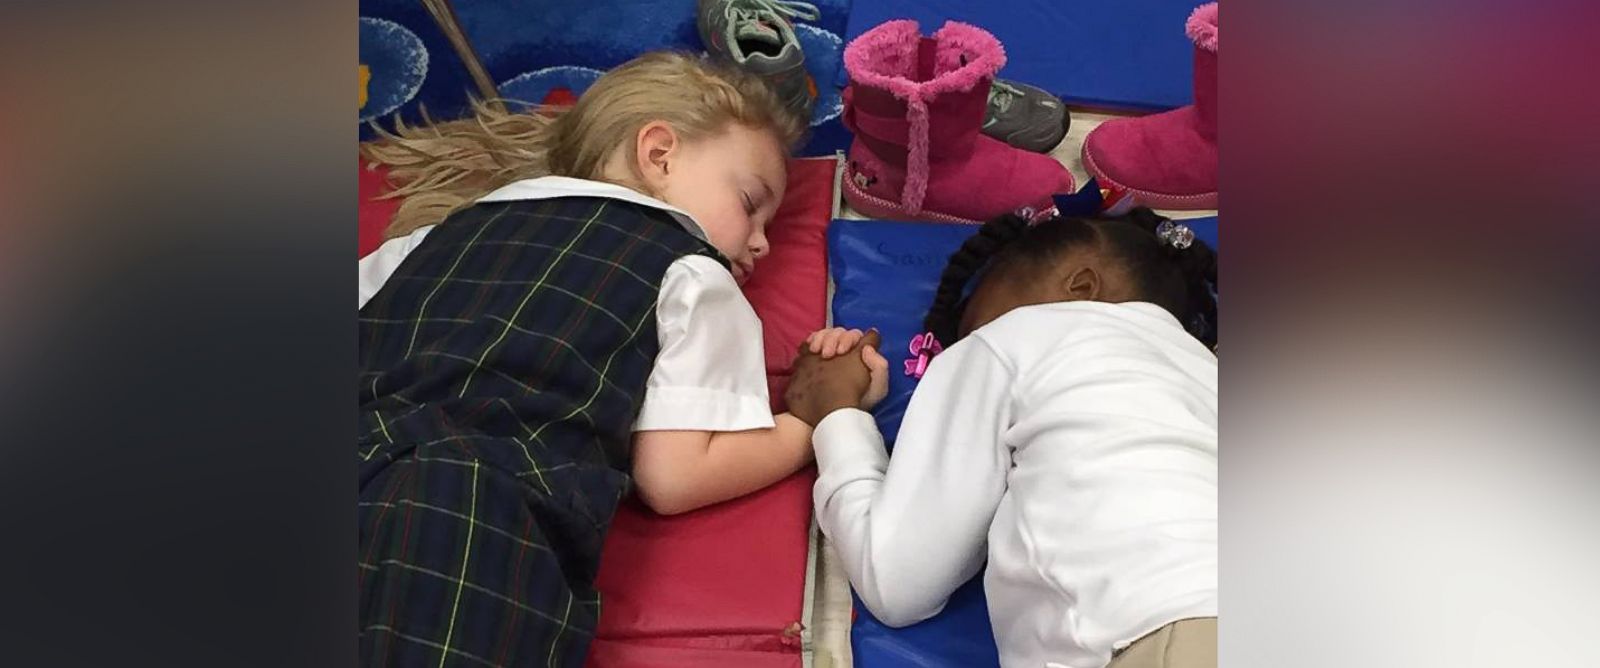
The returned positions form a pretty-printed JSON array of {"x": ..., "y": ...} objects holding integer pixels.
[{"x": 502, "y": 367}]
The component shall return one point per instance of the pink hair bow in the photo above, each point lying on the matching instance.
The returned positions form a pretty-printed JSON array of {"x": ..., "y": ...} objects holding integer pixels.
[{"x": 923, "y": 347}]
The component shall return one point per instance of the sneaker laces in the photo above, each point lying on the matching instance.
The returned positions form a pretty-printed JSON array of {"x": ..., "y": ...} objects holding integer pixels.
[
  {"x": 788, "y": 9},
  {"x": 753, "y": 11},
  {"x": 1002, "y": 94}
]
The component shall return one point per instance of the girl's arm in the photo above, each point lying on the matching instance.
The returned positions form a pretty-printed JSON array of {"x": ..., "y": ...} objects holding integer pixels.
[
  {"x": 680, "y": 471},
  {"x": 705, "y": 431},
  {"x": 911, "y": 533}
]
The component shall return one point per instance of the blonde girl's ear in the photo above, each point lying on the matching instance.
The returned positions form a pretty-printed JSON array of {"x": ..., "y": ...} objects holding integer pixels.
[{"x": 656, "y": 147}]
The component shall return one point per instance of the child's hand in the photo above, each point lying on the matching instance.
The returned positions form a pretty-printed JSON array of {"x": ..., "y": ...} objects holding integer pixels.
[
  {"x": 821, "y": 386},
  {"x": 833, "y": 341},
  {"x": 878, "y": 369},
  {"x": 836, "y": 341}
]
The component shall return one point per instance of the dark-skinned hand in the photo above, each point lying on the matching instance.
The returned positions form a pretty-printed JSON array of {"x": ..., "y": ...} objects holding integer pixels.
[{"x": 821, "y": 386}]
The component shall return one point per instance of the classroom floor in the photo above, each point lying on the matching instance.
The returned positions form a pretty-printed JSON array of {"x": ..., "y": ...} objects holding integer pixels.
[{"x": 831, "y": 602}]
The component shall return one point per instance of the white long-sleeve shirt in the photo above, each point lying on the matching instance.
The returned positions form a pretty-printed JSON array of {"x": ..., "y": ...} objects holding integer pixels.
[{"x": 1072, "y": 444}]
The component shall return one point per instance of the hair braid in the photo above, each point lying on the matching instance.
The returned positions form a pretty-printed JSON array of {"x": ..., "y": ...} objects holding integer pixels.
[
  {"x": 944, "y": 316},
  {"x": 1196, "y": 266},
  {"x": 1180, "y": 280}
]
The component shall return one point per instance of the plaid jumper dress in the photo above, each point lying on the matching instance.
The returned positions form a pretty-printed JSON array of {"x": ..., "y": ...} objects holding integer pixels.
[{"x": 502, "y": 367}]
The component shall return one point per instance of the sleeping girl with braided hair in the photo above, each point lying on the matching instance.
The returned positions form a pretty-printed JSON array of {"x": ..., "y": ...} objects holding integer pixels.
[{"x": 1067, "y": 434}]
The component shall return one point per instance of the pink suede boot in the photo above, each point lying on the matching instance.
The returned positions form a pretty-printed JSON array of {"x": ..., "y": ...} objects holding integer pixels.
[
  {"x": 1167, "y": 160},
  {"x": 916, "y": 106}
]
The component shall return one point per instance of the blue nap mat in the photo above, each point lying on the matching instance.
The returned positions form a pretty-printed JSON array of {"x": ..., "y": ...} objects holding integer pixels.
[
  {"x": 885, "y": 274},
  {"x": 1130, "y": 54}
]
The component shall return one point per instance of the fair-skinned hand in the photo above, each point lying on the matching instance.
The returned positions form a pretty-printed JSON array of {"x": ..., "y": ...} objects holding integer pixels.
[
  {"x": 828, "y": 379},
  {"x": 833, "y": 341}
]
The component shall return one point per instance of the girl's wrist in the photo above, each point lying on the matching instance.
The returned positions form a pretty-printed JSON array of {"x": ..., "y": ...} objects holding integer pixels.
[{"x": 796, "y": 435}]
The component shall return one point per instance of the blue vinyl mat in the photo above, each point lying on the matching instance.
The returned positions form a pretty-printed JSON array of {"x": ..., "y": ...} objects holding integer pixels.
[{"x": 885, "y": 274}]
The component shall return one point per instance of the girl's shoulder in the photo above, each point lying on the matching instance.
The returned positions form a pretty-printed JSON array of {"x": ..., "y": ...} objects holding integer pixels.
[
  {"x": 593, "y": 194},
  {"x": 1085, "y": 323}
]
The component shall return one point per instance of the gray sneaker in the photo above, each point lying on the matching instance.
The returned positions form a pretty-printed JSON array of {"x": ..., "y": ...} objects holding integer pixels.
[
  {"x": 1025, "y": 116},
  {"x": 756, "y": 36}
]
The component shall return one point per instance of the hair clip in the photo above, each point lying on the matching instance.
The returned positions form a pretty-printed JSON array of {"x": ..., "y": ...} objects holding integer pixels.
[
  {"x": 1177, "y": 235},
  {"x": 1035, "y": 216},
  {"x": 923, "y": 347}
]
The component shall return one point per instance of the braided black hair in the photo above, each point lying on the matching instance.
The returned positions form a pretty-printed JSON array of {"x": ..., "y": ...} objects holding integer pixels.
[
  {"x": 944, "y": 316},
  {"x": 1182, "y": 281}
]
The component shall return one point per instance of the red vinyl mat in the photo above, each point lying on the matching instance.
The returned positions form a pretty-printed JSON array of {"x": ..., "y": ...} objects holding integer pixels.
[
  {"x": 732, "y": 576},
  {"x": 614, "y": 654},
  {"x": 722, "y": 586}
]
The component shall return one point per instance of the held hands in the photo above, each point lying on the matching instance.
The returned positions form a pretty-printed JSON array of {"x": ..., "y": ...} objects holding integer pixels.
[{"x": 830, "y": 375}]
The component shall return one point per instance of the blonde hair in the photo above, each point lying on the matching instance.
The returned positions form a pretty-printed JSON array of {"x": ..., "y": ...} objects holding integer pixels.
[{"x": 439, "y": 168}]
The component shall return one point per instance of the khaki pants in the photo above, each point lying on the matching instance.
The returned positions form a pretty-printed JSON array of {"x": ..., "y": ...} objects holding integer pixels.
[{"x": 1186, "y": 643}]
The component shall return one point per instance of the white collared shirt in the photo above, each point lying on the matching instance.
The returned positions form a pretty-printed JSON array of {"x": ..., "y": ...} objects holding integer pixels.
[
  {"x": 711, "y": 372},
  {"x": 1074, "y": 447}
]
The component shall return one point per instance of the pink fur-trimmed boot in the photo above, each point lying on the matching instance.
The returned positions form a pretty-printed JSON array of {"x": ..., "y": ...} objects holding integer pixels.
[
  {"x": 916, "y": 106},
  {"x": 1167, "y": 160}
]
